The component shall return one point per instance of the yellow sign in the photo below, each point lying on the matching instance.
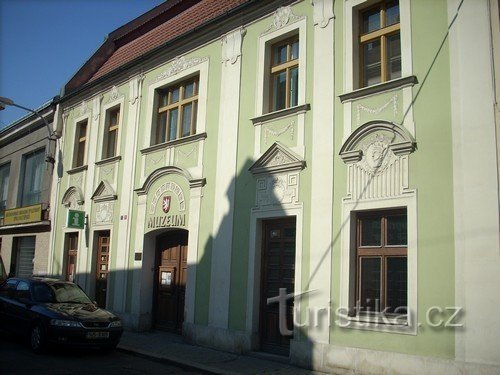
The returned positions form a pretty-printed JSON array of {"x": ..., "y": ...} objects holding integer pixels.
[{"x": 23, "y": 215}]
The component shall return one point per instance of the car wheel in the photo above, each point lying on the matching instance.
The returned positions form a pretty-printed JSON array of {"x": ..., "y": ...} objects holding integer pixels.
[{"x": 37, "y": 338}]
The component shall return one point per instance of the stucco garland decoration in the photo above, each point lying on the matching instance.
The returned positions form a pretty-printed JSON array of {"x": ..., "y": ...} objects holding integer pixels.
[
  {"x": 172, "y": 187},
  {"x": 277, "y": 133},
  {"x": 108, "y": 171},
  {"x": 373, "y": 111},
  {"x": 77, "y": 180},
  {"x": 156, "y": 161},
  {"x": 377, "y": 156},
  {"x": 186, "y": 155},
  {"x": 282, "y": 17},
  {"x": 179, "y": 64}
]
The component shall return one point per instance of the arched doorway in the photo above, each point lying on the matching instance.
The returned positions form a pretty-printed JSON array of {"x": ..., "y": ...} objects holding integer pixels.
[{"x": 170, "y": 280}]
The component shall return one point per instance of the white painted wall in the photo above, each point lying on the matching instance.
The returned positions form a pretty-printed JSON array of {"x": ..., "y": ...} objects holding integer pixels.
[{"x": 475, "y": 171}]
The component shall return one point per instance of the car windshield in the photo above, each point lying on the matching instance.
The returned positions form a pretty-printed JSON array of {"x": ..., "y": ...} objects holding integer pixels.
[{"x": 68, "y": 293}]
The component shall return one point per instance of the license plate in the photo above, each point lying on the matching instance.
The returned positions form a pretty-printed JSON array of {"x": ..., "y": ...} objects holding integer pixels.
[{"x": 97, "y": 335}]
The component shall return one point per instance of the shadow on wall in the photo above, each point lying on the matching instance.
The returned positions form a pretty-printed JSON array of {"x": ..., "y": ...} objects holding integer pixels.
[{"x": 222, "y": 274}]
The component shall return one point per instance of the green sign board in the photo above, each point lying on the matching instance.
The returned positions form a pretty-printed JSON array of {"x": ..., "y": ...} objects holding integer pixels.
[{"x": 76, "y": 219}]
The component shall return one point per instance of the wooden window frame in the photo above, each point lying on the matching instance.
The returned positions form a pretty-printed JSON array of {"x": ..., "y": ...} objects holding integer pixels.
[
  {"x": 380, "y": 34},
  {"x": 286, "y": 67},
  {"x": 110, "y": 129},
  {"x": 382, "y": 251},
  {"x": 80, "y": 142},
  {"x": 179, "y": 105}
]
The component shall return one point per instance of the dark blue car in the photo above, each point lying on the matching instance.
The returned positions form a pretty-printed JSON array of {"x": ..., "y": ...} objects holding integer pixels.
[{"x": 51, "y": 311}]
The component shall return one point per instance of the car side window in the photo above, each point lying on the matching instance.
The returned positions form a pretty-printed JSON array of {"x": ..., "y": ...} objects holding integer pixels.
[
  {"x": 23, "y": 290},
  {"x": 7, "y": 288},
  {"x": 42, "y": 293}
]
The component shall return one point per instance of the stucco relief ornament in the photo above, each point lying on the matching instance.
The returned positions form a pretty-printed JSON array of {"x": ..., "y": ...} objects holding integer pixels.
[
  {"x": 277, "y": 133},
  {"x": 393, "y": 100},
  {"x": 376, "y": 155},
  {"x": 278, "y": 190},
  {"x": 104, "y": 213},
  {"x": 278, "y": 159},
  {"x": 83, "y": 108},
  {"x": 282, "y": 17},
  {"x": 179, "y": 64},
  {"x": 114, "y": 94}
]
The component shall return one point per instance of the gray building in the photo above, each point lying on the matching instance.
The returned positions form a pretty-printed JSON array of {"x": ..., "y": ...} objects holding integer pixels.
[{"x": 26, "y": 170}]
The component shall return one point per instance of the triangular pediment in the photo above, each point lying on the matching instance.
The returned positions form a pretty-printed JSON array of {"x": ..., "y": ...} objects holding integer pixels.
[
  {"x": 277, "y": 158},
  {"x": 104, "y": 192}
]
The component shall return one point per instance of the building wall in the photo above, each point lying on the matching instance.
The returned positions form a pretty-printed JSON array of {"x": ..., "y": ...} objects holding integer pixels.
[
  {"x": 22, "y": 138},
  {"x": 218, "y": 173}
]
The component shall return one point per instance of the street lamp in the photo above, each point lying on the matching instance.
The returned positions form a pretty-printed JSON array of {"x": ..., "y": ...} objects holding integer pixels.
[{"x": 6, "y": 101}]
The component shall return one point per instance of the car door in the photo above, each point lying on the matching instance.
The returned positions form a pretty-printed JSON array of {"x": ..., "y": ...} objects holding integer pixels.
[
  {"x": 7, "y": 291},
  {"x": 21, "y": 307}
]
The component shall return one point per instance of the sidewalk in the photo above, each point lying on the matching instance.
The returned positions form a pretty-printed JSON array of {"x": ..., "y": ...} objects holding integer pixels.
[{"x": 173, "y": 348}]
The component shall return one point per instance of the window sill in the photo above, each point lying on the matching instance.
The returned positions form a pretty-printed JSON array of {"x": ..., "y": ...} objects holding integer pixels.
[
  {"x": 379, "y": 88},
  {"x": 79, "y": 169},
  {"x": 111, "y": 160},
  {"x": 176, "y": 142},
  {"x": 377, "y": 323},
  {"x": 281, "y": 113}
]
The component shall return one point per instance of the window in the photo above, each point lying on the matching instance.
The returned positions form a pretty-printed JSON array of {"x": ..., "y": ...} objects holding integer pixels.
[
  {"x": 71, "y": 255},
  {"x": 380, "y": 43},
  {"x": 284, "y": 74},
  {"x": 32, "y": 178},
  {"x": 80, "y": 141},
  {"x": 110, "y": 144},
  {"x": 381, "y": 262},
  {"x": 4, "y": 187},
  {"x": 177, "y": 107}
]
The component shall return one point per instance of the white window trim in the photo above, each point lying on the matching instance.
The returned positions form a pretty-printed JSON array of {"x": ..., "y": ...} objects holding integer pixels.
[
  {"x": 351, "y": 36},
  {"x": 76, "y": 123},
  {"x": 348, "y": 242},
  {"x": 255, "y": 259},
  {"x": 202, "y": 70},
  {"x": 104, "y": 125},
  {"x": 72, "y": 140},
  {"x": 264, "y": 63}
]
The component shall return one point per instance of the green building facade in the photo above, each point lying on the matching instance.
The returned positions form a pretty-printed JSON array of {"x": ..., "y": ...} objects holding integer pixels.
[{"x": 225, "y": 153}]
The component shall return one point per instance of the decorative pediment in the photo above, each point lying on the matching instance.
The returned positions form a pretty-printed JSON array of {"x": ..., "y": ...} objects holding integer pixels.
[
  {"x": 377, "y": 157},
  {"x": 277, "y": 158},
  {"x": 104, "y": 192},
  {"x": 374, "y": 140},
  {"x": 73, "y": 197}
]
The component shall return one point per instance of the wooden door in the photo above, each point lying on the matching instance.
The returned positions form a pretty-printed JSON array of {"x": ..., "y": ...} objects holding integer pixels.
[
  {"x": 102, "y": 264},
  {"x": 171, "y": 275},
  {"x": 71, "y": 256},
  {"x": 278, "y": 271}
]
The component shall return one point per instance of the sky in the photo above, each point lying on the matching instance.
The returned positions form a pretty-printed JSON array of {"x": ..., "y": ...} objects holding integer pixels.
[{"x": 44, "y": 42}]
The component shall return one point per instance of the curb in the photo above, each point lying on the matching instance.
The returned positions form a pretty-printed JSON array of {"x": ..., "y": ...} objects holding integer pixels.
[{"x": 209, "y": 370}]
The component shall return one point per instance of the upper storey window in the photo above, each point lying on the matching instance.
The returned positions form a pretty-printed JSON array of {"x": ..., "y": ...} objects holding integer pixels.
[
  {"x": 284, "y": 74},
  {"x": 380, "y": 43},
  {"x": 80, "y": 142},
  {"x": 177, "y": 108},
  {"x": 33, "y": 166},
  {"x": 110, "y": 144}
]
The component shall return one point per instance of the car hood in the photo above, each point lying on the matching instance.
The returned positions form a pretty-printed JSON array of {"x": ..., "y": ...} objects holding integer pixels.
[{"x": 83, "y": 312}]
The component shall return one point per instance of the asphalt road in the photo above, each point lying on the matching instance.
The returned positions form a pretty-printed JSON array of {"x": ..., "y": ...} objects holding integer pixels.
[{"x": 17, "y": 358}]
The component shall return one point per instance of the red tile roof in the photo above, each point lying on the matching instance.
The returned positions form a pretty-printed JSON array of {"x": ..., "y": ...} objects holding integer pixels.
[{"x": 192, "y": 17}]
